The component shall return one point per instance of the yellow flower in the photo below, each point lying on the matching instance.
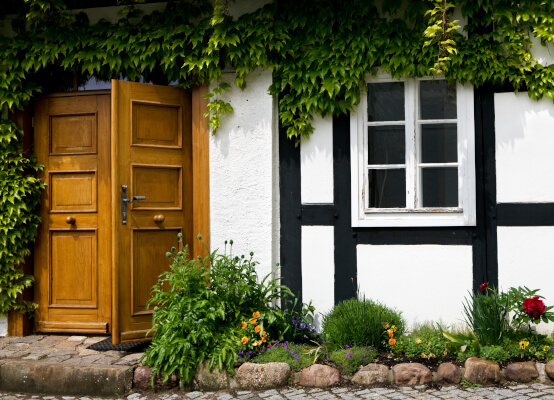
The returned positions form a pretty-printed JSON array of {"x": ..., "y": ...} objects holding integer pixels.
[
  {"x": 523, "y": 344},
  {"x": 546, "y": 348},
  {"x": 256, "y": 314},
  {"x": 418, "y": 341},
  {"x": 244, "y": 340},
  {"x": 257, "y": 329},
  {"x": 386, "y": 325},
  {"x": 243, "y": 325},
  {"x": 393, "y": 328}
]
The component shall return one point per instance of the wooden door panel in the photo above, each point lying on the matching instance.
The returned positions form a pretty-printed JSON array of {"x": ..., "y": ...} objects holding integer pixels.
[
  {"x": 162, "y": 183},
  {"x": 152, "y": 144},
  {"x": 73, "y": 268},
  {"x": 149, "y": 261},
  {"x": 72, "y": 251},
  {"x": 82, "y": 187},
  {"x": 156, "y": 125},
  {"x": 73, "y": 134}
]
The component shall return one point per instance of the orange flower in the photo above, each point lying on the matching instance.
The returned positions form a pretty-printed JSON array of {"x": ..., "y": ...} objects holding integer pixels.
[
  {"x": 256, "y": 314},
  {"x": 392, "y": 342},
  {"x": 264, "y": 333},
  {"x": 243, "y": 325},
  {"x": 257, "y": 329},
  {"x": 391, "y": 334},
  {"x": 244, "y": 340},
  {"x": 253, "y": 321},
  {"x": 263, "y": 339}
]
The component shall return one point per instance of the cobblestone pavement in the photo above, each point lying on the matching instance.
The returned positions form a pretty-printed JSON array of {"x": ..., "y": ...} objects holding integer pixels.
[
  {"x": 520, "y": 392},
  {"x": 65, "y": 349}
]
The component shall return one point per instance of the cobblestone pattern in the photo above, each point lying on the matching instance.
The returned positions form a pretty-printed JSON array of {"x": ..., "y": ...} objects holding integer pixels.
[
  {"x": 536, "y": 391},
  {"x": 65, "y": 349}
]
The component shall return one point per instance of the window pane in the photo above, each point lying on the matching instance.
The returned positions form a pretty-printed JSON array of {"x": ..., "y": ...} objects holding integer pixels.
[
  {"x": 439, "y": 143},
  {"x": 440, "y": 187},
  {"x": 437, "y": 100},
  {"x": 387, "y": 188},
  {"x": 386, "y": 145},
  {"x": 385, "y": 101}
]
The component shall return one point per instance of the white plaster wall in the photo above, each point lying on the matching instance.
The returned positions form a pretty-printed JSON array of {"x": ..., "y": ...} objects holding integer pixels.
[
  {"x": 318, "y": 269},
  {"x": 524, "y": 142},
  {"x": 425, "y": 282},
  {"x": 316, "y": 163},
  {"x": 525, "y": 258},
  {"x": 3, "y": 326},
  {"x": 243, "y": 181}
]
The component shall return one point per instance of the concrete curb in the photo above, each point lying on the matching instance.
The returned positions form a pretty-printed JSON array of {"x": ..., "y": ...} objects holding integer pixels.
[{"x": 69, "y": 379}]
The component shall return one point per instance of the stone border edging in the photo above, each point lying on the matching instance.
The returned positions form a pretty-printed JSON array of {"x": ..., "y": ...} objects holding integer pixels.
[{"x": 251, "y": 376}]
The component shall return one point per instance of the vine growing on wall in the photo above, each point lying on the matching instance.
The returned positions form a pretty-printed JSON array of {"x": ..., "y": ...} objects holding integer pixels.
[{"x": 320, "y": 53}]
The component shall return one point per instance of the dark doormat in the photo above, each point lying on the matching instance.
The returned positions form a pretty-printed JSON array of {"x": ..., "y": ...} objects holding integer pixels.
[{"x": 106, "y": 345}]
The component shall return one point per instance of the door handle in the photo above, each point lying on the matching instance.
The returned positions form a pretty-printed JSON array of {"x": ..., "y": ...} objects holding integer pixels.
[{"x": 124, "y": 201}]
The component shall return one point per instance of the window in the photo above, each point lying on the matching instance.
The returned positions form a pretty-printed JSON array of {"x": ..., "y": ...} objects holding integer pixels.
[{"x": 412, "y": 148}]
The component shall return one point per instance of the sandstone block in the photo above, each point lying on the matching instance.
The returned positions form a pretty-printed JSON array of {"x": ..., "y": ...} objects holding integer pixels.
[
  {"x": 206, "y": 380},
  {"x": 549, "y": 368},
  {"x": 142, "y": 379}
]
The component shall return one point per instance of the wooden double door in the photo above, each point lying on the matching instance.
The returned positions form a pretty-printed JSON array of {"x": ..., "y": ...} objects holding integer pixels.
[{"x": 120, "y": 169}]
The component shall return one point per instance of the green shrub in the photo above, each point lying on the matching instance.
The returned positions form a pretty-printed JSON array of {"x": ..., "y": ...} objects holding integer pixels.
[
  {"x": 423, "y": 343},
  {"x": 292, "y": 354},
  {"x": 351, "y": 358},
  {"x": 362, "y": 323},
  {"x": 200, "y": 307},
  {"x": 494, "y": 353}
]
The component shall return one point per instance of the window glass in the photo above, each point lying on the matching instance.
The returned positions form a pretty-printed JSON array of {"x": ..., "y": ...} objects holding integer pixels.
[
  {"x": 437, "y": 100},
  {"x": 385, "y": 101},
  {"x": 440, "y": 187},
  {"x": 386, "y": 145},
  {"x": 387, "y": 188},
  {"x": 439, "y": 143}
]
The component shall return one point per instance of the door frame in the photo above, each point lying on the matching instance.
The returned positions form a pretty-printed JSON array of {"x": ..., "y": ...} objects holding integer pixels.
[{"x": 18, "y": 324}]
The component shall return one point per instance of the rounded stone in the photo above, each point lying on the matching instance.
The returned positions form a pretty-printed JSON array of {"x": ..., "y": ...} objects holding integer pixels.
[
  {"x": 522, "y": 372},
  {"x": 263, "y": 376},
  {"x": 549, "y": 368},
  {"x": 371, "y": 374},
  {"x": 449, "y": 373},
  {"x": 482, "y": 372},
  {"x": 411, "y": 374},
  {"x": 319, "y": 376}
]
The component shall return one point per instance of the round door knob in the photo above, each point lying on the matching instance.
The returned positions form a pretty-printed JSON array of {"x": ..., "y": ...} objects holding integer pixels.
[
  {"x": 70, "y": 220},
  {"x": 159, "y": 218}
]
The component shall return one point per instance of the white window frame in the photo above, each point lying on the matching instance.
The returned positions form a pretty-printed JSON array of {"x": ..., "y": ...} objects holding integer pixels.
[{"x": 464, "y": 214}]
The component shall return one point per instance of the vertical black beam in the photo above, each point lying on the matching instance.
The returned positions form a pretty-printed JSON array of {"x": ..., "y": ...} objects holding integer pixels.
[
  {"x": 489, "y": 149},
  {"x": 346, "y": 271},
  {"x": 290, "y": 214},
  {"x": 485, "y": 253}
]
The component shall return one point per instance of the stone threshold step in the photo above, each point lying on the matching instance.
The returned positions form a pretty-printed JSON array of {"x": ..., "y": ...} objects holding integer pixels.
[{"x": 67, "y": 379}]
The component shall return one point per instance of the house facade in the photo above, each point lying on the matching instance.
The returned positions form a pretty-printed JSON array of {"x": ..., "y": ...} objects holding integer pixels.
[{"x": 417, "y": 197}]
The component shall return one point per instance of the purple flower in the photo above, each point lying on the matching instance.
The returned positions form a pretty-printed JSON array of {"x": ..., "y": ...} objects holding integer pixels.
[
  {"x": 250, "y": 352},
  {"x": 263, "y": 351},
  {"x": 302, "y": 325},
  {"x": 347, "y": 346},
  {"x": 240, "y": 360},
  {"x": 297, "y": 358},
  {"x": 240, "y": 353},
  {"x": 290, "y": 351}
]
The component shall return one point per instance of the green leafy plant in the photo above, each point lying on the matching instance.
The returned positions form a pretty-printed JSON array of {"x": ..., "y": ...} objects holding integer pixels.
[
  {"x": 424, "y": 342},
  {"x": 320, "y": 350},
  {"x": 494, "y": 353},
  {"x": 488, "y": 316},
  {"x": 361, "y": 322},
  {"x": 290, "y": 353},
  {"x": 350, "y": 359},
  {"x": 199, "y": 309}
]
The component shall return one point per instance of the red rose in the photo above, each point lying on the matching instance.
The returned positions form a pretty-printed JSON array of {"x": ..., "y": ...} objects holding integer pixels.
[
  {"x": 533, "y": 306},
  {"x": 483, "y": 286}
]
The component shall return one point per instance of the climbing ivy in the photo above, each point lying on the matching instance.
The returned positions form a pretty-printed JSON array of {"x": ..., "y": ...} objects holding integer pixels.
[{"x": 320, "y": 52}]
